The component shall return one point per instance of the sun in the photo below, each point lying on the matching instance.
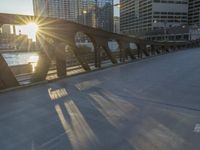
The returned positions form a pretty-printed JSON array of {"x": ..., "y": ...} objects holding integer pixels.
[
  {"x": 32, "y": 29},
  {"x": 32, "y": 26}
]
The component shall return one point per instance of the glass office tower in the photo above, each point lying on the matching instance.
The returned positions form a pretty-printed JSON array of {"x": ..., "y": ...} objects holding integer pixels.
[
  {"x": 105, "y": 14},
  {"x": 94, "y": 13}
]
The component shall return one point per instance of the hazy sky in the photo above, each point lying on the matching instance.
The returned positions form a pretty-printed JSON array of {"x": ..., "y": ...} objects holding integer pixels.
[{"x": 23, "y": 6}]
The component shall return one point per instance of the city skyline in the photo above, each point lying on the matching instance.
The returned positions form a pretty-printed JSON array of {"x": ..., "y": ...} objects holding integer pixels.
[
  {"x": 26, "y": 7},
  {"x": 94, "y": 13}
]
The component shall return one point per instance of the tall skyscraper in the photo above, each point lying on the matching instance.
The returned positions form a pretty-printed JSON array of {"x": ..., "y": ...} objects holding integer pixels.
[
  {"x": 194, "y": 12},
  {"x": 104, "y": 14},
  {"x": 141, "y": 16},
  {"x": 116, "y": 24},
  {"x": 63, "y": 9},
  {"x": 94, "y": 13}
]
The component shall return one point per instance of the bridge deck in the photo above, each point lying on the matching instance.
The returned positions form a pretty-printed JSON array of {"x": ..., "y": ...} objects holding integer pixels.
[{"x": 153, "y": 104}]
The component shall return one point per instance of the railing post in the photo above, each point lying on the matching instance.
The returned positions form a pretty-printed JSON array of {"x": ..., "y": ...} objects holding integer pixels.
[
  {"x": 139, "y": 50},
  {"x": 109, "y": 54},
  {"x": 145, "y": 50},
  {"x": 153, "y": 50},
  {"x": 122, "y": 51},
  {"x": 60, "y": 56},
  {"x": 97, "y": 56},
  {"x": 44, "y": 61},
  {"x": 42, "y": 68},
  {"x": 157, "y": 49}
]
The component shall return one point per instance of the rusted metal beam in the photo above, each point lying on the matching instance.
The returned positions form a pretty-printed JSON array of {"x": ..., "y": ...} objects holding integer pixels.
[
  {"x": 60, "y": 56},
  {"x": 128, "y": 50},
  {"x": 109, "y": 54},
  {"x": 145, "y": 51},
  {"x": 42, "y": 68},
  {"x": 97, "y": 51},
  {"x": 7, "y": 78},
  {"x": 81, "y": 60}
]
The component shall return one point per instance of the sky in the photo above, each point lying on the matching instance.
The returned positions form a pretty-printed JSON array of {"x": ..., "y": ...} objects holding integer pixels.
[{"x": 25, "y": 7}]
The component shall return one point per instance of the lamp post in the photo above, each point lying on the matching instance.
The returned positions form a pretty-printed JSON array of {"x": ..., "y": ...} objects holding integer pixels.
[{"x": 84, "y": 17}]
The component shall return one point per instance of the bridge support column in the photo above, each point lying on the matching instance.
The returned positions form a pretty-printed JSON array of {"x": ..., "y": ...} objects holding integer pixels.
[
  {"x": 42, "y": 68},
  {"x": 153, "y": 50},
  {"x": 157, "y": 50},
  {"x": 7, "y": 78},
  {"x": 128, "y": 51},
  {"x": 60, "y": 60},
  {"x": 97, "y": 52},
  {"x": 81, "y": 60},
  {"x": 109, "y": 54},
  {"x": 139, "y": 50},
  {"x": 145, "y": 51},
  {"x": 162, "y": 49},
  {"x": 121, "y": 55},
  {"x": 125, "y": 51},
  {"x": 44, "y": 61},
  {"x": 167, "y": 49}
]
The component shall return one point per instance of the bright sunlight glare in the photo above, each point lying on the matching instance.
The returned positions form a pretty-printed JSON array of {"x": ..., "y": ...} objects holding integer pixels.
[
  {"x": 30, "y": 29},
  {"x": 33, "y": 60}
]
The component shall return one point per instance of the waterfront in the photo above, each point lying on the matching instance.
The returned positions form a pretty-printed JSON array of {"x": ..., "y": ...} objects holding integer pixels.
[{"x": 20, "y": 58}]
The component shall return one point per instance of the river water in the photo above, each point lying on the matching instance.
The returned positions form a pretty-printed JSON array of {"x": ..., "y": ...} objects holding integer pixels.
[{"x": 20, "y": 58}]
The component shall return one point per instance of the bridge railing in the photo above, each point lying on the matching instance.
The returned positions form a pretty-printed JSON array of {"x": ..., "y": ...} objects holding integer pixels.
[{"x": 60, "y": 56}]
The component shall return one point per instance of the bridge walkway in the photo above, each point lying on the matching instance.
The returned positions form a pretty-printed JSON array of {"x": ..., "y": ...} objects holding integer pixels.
[{"x": 152, "y": 104}]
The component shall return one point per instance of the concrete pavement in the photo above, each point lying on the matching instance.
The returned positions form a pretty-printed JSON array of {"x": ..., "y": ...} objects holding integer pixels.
[{"x": 153, "y": 104}]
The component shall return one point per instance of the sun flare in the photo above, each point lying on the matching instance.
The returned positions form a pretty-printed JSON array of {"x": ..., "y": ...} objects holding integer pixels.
[
  {"x": 32, "y": 26},
  {"x": 32, "y": 29}
]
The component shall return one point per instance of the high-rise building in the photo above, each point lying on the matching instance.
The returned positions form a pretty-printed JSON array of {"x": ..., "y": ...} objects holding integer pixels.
[
  {"x": 94, "y": 13},
  {"x": 140, "y": 16},
  {"x": 6, "y": 29},
  {"x": 194, "y": 12},
  {"x": 63, "y": 9},
  {"x": 104, "y": 11},
  {"x": 116, "y": 24}
]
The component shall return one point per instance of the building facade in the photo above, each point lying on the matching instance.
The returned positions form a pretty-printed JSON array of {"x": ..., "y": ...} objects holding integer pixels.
[
  {"x": 116, "y": 24},
  {"x": 141, "y": 16},
  {"x": 94, "y": 13},
  {"x": 104, "y": 12},
  {"x": 194, "y": 12}
]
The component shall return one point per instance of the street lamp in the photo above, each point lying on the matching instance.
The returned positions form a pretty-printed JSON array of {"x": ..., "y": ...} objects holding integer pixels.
[{"x": 84, "y": 16}]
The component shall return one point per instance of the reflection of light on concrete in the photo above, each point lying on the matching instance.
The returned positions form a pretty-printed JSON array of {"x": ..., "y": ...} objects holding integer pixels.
[
  {"x": 153, "y": 135},
  {"x": 58, "y": 93},
  {"x": 33, "y": 146},
  {"x": 87, "y": 84},
  {"x": 78, "y": 131},
  {"x": 62, "y": 117},
  {"x": 115, "y": 111},
  {"x": 81, "y": 134},
  {"x": 197, "y": 128},
  {"x": 33, "y": 60}
]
